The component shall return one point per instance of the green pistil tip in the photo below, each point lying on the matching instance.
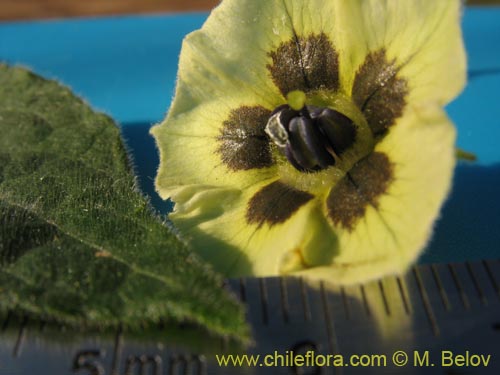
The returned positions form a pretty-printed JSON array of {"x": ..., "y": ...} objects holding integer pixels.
[{"x": 296, "y": 99}]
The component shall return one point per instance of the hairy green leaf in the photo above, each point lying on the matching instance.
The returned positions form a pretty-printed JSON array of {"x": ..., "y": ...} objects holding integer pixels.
[{"x": 78, "y": 243}]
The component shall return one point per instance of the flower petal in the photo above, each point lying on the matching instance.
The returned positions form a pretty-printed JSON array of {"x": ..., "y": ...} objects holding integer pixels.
[
  {"x": 229, "y": 55},
  {"x": 384, "y": 210},
  {"x": 213, "y": 145},
  {"x": 260, "y": 230},
  {"x": 421, "y": 40}
]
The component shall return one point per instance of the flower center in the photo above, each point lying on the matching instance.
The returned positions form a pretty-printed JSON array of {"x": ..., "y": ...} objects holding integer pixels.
[{"x": 311, "y": 138}]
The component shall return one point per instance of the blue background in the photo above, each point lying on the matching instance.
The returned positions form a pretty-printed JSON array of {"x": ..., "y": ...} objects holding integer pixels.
[{"x": 126, "y": 67}]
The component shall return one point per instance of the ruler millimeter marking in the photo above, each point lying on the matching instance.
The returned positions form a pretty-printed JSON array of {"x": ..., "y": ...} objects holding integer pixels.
[{"x": 432, "y": 308}]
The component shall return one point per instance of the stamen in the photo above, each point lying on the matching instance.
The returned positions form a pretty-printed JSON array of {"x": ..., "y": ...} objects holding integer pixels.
[
  {"x": 308, "y": 146},
  {"x": 311, "y": 138},
  {"x": 338, "y": 129},
  {"x": 275, "y": 127}
]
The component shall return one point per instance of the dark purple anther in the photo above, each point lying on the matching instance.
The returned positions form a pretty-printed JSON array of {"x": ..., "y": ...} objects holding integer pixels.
[
  {"x": 300, "y": 149},
  {"x": 312, "y": 137},
  {"x": 312, "y": 142},
  {"x": 338, "y": 129}
]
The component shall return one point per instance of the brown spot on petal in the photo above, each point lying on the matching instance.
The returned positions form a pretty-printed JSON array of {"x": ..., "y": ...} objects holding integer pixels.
[
  {"x": 305, "y": 64},
  {"x": 275, "y": 203},
  {"x": 379, "y": 92},
  {"x": 243, "y": 143},
  {"x": 362, "y": 186}
]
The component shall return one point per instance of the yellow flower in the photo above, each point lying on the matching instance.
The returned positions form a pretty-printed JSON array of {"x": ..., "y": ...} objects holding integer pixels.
[{"x": 307, "y": 137}]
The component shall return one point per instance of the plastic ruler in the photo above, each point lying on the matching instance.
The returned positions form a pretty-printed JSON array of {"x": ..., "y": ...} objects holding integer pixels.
[{"x": 433, "y": 309}]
